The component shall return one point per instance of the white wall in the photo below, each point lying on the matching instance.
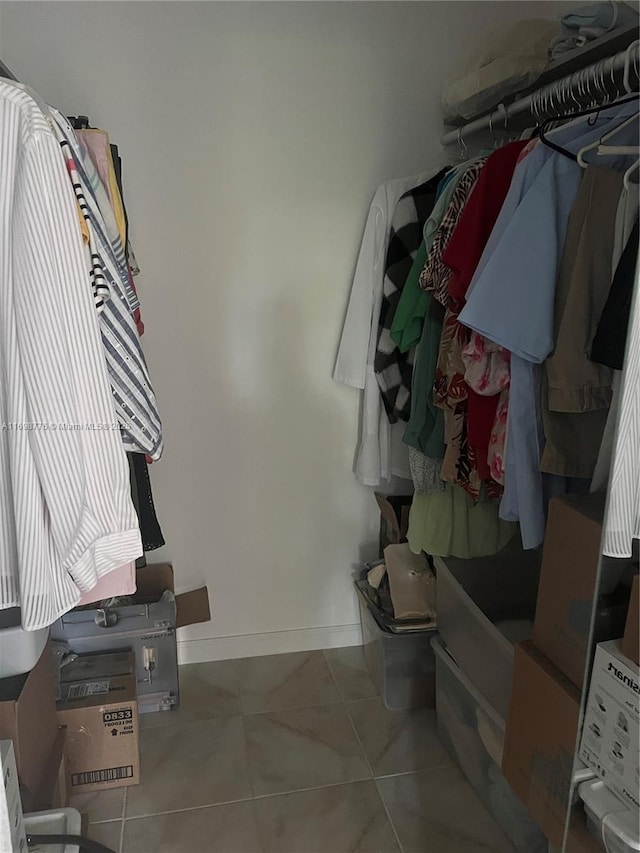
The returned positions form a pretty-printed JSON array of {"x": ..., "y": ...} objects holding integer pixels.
[{"x": 253, "y": 137}]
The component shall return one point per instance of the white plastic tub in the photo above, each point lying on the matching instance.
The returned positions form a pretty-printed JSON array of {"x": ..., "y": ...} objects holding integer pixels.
[
  {"x": 54, "y": 822},
  {"x": 485, "y": 606},
  {"x": 616, "y": 826},
  {"x": 473, "y": 733},
  {"x": 20, "y": 650},
  {"x": 401, "y": 665}
]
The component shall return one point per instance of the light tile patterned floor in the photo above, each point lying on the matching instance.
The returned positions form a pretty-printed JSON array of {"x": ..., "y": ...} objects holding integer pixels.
[{"x": 291, "y": 754}]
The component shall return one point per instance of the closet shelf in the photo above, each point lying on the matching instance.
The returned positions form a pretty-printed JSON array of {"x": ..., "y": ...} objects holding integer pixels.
[{"x": 575, "y": 60}]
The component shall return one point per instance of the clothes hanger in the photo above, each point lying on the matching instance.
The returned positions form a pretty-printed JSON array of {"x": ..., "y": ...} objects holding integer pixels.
[
  {"x": 626, "y": 180},
  {"x": 462, "y": 145},
  {"x": 605, "y": 150},
  {"x": 79, "y": 122}
]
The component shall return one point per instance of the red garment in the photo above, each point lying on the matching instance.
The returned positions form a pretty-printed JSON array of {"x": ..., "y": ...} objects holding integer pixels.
[
  {"x": 462, "y": 255},
  {"x": 465, "y": 248}
]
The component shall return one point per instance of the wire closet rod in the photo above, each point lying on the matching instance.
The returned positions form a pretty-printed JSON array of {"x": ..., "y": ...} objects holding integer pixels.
[{"x": 571, "y": 86}]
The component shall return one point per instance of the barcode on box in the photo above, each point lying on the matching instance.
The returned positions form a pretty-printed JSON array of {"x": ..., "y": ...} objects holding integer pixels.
[
  {"x": 111, "y": 774},
  {"x": 87, "y": 688}
]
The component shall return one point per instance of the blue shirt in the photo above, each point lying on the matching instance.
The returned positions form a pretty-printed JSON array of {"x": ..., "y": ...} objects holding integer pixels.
[{"x": 511, "y": 298}]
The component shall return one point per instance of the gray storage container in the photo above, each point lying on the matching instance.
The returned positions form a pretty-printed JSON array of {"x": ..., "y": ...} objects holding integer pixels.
[
  {"x": 485, "y": 606},
  {"x": 401, "y": 665},
  {"x": 134, "y": 627},
  {"x": 473, "y": 733}
]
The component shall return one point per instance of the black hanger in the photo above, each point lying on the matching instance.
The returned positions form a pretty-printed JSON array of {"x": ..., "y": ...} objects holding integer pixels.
[
  {"x": 594, "y": 111},
  {"x": 79, "y": 122}
]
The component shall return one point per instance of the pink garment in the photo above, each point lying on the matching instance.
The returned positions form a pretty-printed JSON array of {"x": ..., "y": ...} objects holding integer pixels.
[
  {"x": 120, "y": 581},
  {"x": 498, "y": 440},
  {"x": 97, "y": 144},
  {"x": 487, "y": 372}
]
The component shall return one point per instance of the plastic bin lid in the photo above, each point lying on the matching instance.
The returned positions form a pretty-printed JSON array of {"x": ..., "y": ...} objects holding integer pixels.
[
  {"x": 624, "y": 827},
  {"x": 54, "y": 822},
  {"x": 611, "y": 814},
  {"x": 599, "y": 799}
]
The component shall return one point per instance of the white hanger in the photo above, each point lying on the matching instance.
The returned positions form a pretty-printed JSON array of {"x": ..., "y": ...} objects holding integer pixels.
[
  {"x": 608, "y": 135},
  {"x": 626, "y": 181}
]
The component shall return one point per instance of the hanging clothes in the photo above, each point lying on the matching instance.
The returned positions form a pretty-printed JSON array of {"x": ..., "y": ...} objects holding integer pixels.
[
  {"x": 98, "y": 147},
  {"x": 485, "y": 427},
  {"x": 450, "y": 390},
  {"x": 150, "y": 531},
  {"x": 611, "y": 336},
  {"x": 516, "y": 311},
  {"x": 450, "y": 523},
  {"x": 136, "y": 408},
  {"x": 610, "y": 339},
  {"x": 393, "y": 367},
  {"x": 380, "y": 454},
  {"x": 577, "y": 392},
  {"x": 66, "y": 516},
  {"x": 622, "y": 523}
]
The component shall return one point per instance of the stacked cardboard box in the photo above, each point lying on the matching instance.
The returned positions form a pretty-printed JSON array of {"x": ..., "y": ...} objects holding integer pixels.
[
  {"x": 28, "y": 718},
  {"x": 542, "y": 734},
  {"x": 99, "y": 710}
]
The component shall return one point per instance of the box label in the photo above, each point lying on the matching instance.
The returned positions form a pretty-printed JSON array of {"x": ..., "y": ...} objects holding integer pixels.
[
  {"x": 110, "y": 774},
  {"x": 87, "y": 688},
  {"x": 113, "y": 718}
]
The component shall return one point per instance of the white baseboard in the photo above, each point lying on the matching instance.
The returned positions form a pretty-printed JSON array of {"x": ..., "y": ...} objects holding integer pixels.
[{"x": 272, "y": 643}]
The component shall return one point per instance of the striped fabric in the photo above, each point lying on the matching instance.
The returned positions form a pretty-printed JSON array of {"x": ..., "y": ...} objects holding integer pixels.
[
  {"x": 66, "y": 515},
  {"x": 97, "y": 277},
  {"x": 622, "y": 523},
  {"x": 135, "y": 403}
]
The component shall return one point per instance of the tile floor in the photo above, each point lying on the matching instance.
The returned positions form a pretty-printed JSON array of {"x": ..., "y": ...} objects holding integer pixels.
[{"x": 291, "y": 754}]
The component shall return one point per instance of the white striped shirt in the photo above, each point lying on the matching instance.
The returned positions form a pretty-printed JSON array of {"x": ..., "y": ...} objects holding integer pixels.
[
  {"x": 136, "y": 408},
  {"x": 622, "y": 522},
  {"x": 66, "y": 515}
]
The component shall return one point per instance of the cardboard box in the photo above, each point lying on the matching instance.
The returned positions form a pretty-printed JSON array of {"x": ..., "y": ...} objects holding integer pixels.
[
  {"x": 48, "y": 794},
  {"x": 570, "y": 582},
  {"x": 102, "y": 732},
  {"x": 28, "y": 718},
  {"x": 12, "y": 834},
  {"x": 148, "y": 623},
  {"x": 610, "y": 743},
  {"x": 540, "y": 739},
  {"x": 631, "y": 639}
]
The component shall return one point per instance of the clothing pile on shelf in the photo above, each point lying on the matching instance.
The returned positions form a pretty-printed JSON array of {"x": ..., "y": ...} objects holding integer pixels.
[
  {"x": 486, "y": 327},
  {"x": 76, "y": 398}
]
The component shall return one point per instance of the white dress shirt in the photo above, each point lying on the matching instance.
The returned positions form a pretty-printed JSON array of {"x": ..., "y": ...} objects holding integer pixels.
[
  {"x": 381, "y": 454},
  {"x": 66, "y": 515}
]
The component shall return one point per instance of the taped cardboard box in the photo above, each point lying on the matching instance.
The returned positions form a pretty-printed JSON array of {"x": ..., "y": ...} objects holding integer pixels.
[
  {"x": 28, "y": 718},
  {"x": 102, "y": 747},
  {"x": 570, "y": 581},
  {"x": 610, "y": 743},
  {"x": 540, "y": 739},
  {"x": 146, "y": 626},
  {"x": 631, "y": 639}
]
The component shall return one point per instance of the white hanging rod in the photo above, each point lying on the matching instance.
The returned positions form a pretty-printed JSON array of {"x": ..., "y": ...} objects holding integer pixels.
[{"x": 577, "y": 87}]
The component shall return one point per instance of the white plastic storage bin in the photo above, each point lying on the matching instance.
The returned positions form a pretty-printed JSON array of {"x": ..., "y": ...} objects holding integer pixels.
[
  {"x": 402, "y": 665},
  {"x": 473, "y": 733},
  {"x": 615, "y": 825},
  {"x": 486, "y": 606},
  {"x": 54, "y": 822}
]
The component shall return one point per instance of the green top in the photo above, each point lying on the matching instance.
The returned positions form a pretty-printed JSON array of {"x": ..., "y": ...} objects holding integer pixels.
[{"x": 425, "y": 430}]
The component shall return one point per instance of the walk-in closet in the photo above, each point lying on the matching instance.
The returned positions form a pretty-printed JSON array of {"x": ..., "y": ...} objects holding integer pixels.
[{"x": 319, "y": 426}]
